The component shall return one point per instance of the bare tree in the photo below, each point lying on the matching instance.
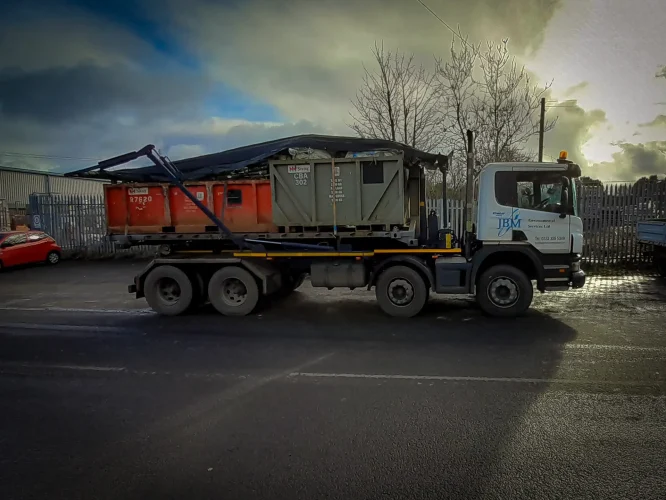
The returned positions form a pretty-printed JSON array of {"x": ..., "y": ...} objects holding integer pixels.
[
  {"x": 397, "y": 102},
  {"x": 474, "y": 89},
  {"x": 487, "y": 92}
]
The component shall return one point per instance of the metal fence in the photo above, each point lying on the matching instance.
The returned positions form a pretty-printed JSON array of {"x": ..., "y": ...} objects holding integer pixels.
[
  {"x": 455, "y": 211},
  {"x": 5, "y": 218},
  {"x": 609, "y": 214},
  {"x": 78, "y": 224}
]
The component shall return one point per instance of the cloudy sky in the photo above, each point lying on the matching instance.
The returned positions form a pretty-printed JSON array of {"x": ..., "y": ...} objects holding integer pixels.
[{"x": 89, "y": 79}]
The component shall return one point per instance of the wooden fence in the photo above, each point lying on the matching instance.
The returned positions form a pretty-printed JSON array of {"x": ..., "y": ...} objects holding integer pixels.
[{"x": 609, "y": 214}]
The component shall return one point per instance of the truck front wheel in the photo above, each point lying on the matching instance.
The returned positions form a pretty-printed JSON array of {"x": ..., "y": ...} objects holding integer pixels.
[
  {"x": 233, "y": 291},
  {"x": 504, "y": 291},
  {"x": 168, "y": 290},
  {"x": 401, "y": 292}
]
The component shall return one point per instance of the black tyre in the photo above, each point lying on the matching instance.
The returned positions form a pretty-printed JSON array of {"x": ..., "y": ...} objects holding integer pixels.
[
  {"x": 504, "y": 291},
  {"x": 53, "y": 258},
  {"x": 233, "y": 291},
  {"x": 401, "y": 292},
  {"x": 168, "y": 290}
]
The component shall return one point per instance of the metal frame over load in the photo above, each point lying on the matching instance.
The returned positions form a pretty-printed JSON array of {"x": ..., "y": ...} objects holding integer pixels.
[{"x": 395, "y": 208}]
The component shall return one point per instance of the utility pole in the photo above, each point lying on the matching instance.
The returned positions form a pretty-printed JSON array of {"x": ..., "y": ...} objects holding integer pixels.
[
  {"x": 469, "y": 193},
  {"x": 542, "y": 124}
]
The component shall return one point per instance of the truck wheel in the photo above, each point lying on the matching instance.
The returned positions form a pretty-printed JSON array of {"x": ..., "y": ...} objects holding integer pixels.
[
  {"x": 504, "y": 291},
  {"x": 233, "y": 291},
  {"x": 168, "y": 290},
  {"x": 401, "y": 292}
]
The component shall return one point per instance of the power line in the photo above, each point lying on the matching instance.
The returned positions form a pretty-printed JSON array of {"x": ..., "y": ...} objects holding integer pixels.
[{"x": 449, "y": 27}]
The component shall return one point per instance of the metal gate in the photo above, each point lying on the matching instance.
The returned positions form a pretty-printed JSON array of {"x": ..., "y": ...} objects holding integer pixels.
[{"x": 77, "y": 223}]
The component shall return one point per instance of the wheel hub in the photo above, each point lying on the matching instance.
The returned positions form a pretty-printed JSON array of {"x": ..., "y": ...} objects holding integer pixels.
[
  {"x": 53, "y": 258},
  {"x": 234, "y": 292},
  {"x": 503, "y": 292},
  {"x": 400, "y": 292},
  {"x": 168, "y": 290}
]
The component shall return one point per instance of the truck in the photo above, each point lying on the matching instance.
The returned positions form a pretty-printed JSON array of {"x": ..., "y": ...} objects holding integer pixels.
[
  {"x": 652, "y": 233},
  {"x": 521, "y": 229}
]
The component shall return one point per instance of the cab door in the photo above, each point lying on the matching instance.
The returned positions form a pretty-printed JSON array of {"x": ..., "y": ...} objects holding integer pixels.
[
  {"x": 529, "y": 209},
  {"x": 545, "y": 222}
]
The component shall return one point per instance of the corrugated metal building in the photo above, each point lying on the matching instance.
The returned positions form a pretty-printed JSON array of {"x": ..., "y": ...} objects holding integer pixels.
[{"x": 16, "y": 185}]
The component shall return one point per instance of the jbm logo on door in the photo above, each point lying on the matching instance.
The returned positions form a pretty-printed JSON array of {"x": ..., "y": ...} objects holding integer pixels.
[{"x": 506, "y": 224}]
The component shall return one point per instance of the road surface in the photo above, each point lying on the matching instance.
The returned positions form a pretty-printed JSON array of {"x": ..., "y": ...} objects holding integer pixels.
[{"x": 321, "y": 396}]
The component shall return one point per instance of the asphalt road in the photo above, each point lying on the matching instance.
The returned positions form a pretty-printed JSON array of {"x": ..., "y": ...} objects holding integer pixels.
[{"x": 321, "y": 396}]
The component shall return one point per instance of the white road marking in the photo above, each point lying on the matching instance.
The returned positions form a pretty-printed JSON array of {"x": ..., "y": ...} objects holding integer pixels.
[
  {"x": 64, "y": 328},
  {"x": 453, "y": 378},
  {"x": 206, "y": 413},
  {"x": 609, "y": 347},
  {"x": 77, "y": 310},
  {"x": 83, "y": 368}
]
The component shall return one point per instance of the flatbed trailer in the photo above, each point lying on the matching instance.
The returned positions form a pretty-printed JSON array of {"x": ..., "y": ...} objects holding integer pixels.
[{"x": 517, "y": 237}]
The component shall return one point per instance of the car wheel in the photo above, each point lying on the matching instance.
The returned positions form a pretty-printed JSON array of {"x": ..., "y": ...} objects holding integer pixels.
[
  {"x": 504, "y": 291},
  {"x": 53, "y": 258}
]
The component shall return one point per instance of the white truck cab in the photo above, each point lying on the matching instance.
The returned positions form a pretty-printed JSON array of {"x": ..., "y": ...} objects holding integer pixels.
[
  {"x": 526, "y": 229},
  {"x": 529, "y": 203}
]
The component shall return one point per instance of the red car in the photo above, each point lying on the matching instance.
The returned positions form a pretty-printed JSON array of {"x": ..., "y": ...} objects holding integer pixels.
[{"x": 27, "y": 247}]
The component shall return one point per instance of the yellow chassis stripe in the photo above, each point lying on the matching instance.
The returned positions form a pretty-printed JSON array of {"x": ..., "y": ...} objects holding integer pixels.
[{"x": 348, "y": 254}]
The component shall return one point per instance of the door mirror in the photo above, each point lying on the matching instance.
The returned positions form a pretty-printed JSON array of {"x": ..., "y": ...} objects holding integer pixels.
[{"x": 6, "y": 244}]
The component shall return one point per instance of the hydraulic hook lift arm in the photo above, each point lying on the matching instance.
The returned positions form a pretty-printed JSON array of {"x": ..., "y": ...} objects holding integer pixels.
[{"x": 175, "y": 177}]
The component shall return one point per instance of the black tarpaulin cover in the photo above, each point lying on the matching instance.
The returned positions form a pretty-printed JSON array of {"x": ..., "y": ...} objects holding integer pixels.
[{"x": 251, "y": 160}]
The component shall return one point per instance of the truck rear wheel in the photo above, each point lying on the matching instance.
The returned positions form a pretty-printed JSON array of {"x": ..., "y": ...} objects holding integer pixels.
[
  {"x": 233, "y": 291},
  {"x": 168, "y": 290},
  {"x": 401, "y": 292},
  {"x": 504, "y": 291}
]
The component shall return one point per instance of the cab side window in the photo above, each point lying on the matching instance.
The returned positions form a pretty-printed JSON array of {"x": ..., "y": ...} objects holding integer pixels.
[{"x": 541, "y": 191}]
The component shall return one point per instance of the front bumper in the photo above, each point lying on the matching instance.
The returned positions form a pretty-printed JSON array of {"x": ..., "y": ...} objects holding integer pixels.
[{"x": 577, "y": 279}]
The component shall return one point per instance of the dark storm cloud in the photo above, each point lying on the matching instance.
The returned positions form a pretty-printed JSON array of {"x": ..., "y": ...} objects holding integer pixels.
[
  {"x": 71, "y": 94},
  {"x": 305, "y": 57}
]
